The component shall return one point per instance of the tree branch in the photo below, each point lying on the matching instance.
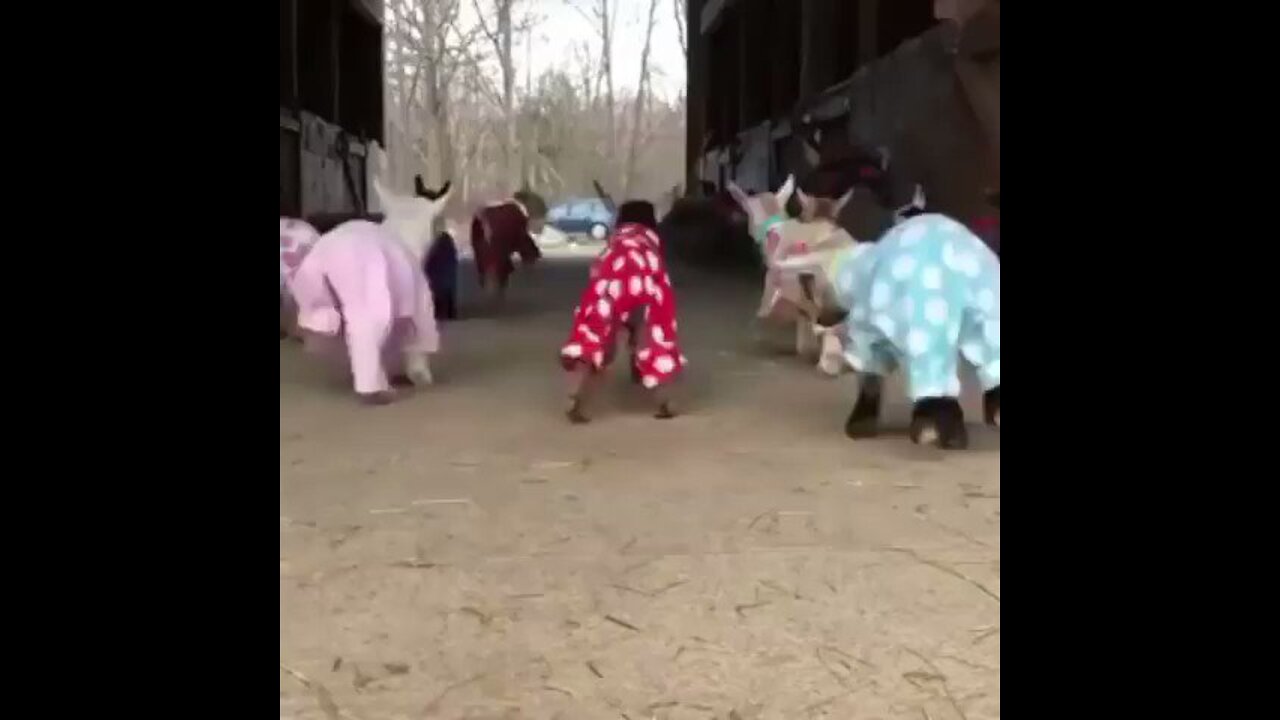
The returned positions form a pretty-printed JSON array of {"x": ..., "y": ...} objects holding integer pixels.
[
  {"x": 681, "y": 8},
  {"x": 485, "y": 27}
]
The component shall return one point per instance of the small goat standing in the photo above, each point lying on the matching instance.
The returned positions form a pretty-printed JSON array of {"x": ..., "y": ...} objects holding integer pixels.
[
  {"x": 926, "y": 291},
  {"x": 441, "y": 261},
  {"x": 501, "y": 230},
  {"x": 358, "y": 286},
  {"x": 792, "y": 298},
  {"x": 628, "y": 287}
]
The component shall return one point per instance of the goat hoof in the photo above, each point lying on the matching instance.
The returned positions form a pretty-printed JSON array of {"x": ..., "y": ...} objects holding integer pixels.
[
  {"x": 861, "y": 429},
  {"x": 575, "y": 414},
  {"x": 991, "y": 406},
  {"x": 377, "y": 398},
  {"x": 664, "y": 412},
  {"x": 402, "y": 381},
  {"x": 864, "y": 421},
  {"x": 940, "y": 422}
]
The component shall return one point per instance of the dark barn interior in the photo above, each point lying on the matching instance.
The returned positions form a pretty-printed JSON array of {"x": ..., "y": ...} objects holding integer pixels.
[
  {"x": 896, "y": 74},
  {"x": 330, "y": 102}
]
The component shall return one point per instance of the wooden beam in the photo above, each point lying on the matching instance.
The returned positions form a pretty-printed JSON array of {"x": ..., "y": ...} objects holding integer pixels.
[
  {"x": 335, "y": 28},
  {"x": 724, "y": 128},
  {"x": 297, "y": 104},
  {"x": 371, "y": 9},
  {"x": 868, "y": 23},
  {"x": 779, "y": 62},
  {"x": 695, "y": 98},
  {"x": 980, "y": 34},
  {"x": 711, "y": 15},
  {"x": 742, "y": 28},
  {"x": 808, "y": 66}
]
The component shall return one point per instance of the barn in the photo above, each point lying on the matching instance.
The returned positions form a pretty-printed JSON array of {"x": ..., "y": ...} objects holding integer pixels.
[
  {"x": 919, "y": 77},
  {"x": 331, "y": 103}
]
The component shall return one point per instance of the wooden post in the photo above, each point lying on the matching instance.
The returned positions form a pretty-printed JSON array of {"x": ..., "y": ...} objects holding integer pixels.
[
  {"x": 774, "y": 65},
  {"x": 726, "y": 129},
  {"x": 868, "y": 35},
  {"x": 808, "y": 61},
  {"x": 293, "y": 47},
  {"x": 335, "y": 27},
  {"x": 696, "y": 96},
  {"x": 745, "y": 86},
  {"x": 297, "y": 100},
  {"x": 980, "y": 81}
]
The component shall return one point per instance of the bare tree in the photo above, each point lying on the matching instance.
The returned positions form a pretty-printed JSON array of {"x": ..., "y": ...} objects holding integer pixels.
[
  {"x": 604, "y": 18},
  {"x": 681, "y": 8},
  {"x": 500, "y": 37},
  {"x": 587, "y": 72},
  {"x": 638, "y": 108},
  {"x": 472, "y": 112},
  {"x": 429, "y": 49}
]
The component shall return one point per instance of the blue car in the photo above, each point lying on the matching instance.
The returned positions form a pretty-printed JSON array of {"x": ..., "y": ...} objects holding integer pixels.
[{"x": 589, "y": 216}]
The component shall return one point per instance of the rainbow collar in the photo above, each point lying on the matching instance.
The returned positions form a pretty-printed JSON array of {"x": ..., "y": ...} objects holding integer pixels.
[{"x": 762, "y": 230}]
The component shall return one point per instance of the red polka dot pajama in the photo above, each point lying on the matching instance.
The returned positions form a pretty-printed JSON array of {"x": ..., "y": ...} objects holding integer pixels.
[{"x": 629, "y": 277}]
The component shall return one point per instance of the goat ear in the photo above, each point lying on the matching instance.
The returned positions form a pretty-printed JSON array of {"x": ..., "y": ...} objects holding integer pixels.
[
  {"x": 917, "y": 200},
  {"x": 604, "y": 196},
  {"x": 844, "y": 200},
  {"x": 385, "y": 198},
  {"x": 440, "y": 198},
  {"x": 806, "y": 204},
  {"x": 811, "y": 156},
  {"x": 420, "y": 187},
  {"x": 738, "y": 195},
  {"x": 784, "y": 192}
]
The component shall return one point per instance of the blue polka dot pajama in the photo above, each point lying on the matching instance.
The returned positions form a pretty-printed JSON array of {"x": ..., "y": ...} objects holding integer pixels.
[{"x": 927, "y": 289}]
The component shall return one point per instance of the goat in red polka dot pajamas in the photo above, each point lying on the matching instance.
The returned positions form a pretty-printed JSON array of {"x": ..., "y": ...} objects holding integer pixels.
[{"x": 628, "y": 287}]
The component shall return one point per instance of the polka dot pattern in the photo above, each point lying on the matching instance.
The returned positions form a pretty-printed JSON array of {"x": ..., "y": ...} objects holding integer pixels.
[
  {"x": 937, "y": 311},
  {"x": 912, "y": 233},
  {"x": 902, "y": 267},
  {"x": 925, "y": 294},
  {"x": 986, "y": 300},
  {"x": 881, "y": 294},
  {"x": 918, "y": 342},
  {"x": 931, "y": 277},
  {"x": 630, "y": 282}
]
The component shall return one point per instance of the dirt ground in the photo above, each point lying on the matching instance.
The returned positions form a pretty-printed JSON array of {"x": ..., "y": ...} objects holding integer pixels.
[{"x": 466, "y": 553}]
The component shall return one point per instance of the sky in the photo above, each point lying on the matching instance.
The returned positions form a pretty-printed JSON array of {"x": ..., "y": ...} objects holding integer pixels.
[{"x": 562, "y": 27}]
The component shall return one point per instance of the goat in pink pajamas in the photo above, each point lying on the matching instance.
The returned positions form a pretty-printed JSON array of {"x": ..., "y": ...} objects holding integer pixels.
[{"x": 360, "y": 285}]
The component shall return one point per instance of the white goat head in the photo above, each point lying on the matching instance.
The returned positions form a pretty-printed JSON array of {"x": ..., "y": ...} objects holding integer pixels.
[
  {"x": 411, "y": 217},
  {"x": 763, "y": 209},
  {"x": 819, "y": 208}
]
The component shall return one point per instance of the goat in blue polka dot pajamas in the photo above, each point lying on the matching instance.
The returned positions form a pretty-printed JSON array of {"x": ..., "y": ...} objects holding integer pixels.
[{"x": 925, "y": 290}]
